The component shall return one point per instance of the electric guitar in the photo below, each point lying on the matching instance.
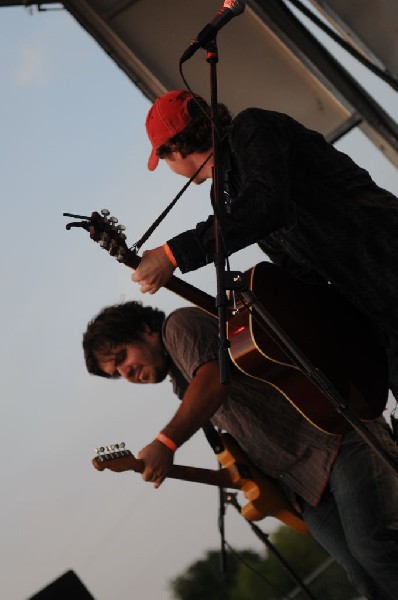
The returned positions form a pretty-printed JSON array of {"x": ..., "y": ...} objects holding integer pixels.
[{"x": 266, "y": 499}]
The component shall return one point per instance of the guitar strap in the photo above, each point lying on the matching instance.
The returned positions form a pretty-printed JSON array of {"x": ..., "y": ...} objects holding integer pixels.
[
  {"x": 135, "y": 247},
  {"x": 213, "y": 437},
  {"x": 394, "y": 426},
  {"x": 217, "y": 444}
]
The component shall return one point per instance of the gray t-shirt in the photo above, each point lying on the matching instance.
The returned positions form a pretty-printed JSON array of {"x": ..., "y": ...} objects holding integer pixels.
[{"x": 275, "y": 436}]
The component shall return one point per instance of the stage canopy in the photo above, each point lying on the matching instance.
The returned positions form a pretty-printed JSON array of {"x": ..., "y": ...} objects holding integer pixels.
[{"x": 267, "y": 56}]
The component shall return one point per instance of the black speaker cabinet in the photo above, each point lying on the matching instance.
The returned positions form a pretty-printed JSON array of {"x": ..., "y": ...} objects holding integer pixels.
[{"x": 68, "y": 586}]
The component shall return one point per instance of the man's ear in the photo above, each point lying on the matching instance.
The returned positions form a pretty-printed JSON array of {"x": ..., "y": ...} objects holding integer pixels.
[
  {"x": 174, "y": 155},
  {"x": 150, "y": 332}
]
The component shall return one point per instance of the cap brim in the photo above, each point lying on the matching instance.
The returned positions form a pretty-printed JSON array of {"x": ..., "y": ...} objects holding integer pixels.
[{"x": 153, "y": 160}]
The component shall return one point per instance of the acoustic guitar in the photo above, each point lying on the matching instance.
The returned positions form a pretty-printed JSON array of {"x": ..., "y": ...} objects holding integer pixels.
[
  {"x": 335, "y": 337},
  {"x": 337, "y": 340},
  {"x": 266, "y": 499}
]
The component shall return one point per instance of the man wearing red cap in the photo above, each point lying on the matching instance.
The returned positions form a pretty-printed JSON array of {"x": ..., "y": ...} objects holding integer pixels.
[
  {"x": 309, "y": 207},
  {"x": 180, "y": 133},
  {"x": 168, "y": 116}
]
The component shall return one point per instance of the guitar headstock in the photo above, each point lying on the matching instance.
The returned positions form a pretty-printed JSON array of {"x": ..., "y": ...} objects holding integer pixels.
[
  {"x": 104, "y": 230},
  {"x": 116, "y": 458}
]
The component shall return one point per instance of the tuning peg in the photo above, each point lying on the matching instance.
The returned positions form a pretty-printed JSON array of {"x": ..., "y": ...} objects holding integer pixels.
[
  {"x": 105, "y": 212},
  {"x": 104, "y": 240},
  {"x": 120, "y": 229},
  {"x": 113, "y": 220}
]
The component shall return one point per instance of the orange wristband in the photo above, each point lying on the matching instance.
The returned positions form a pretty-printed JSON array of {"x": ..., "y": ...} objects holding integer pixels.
[
  {"x": 166, "y": 441},
  {"x": 169, "y": 254}
]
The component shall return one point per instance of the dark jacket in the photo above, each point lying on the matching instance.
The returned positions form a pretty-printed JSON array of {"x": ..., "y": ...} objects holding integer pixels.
[{"x": 309, "y": 207}]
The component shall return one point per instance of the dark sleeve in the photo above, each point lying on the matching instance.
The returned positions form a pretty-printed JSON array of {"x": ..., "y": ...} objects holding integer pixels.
[
  {"x": 261, "y": 149},
  {"x": 298, "y": 268},
  {"x": 191, "y": 339}
]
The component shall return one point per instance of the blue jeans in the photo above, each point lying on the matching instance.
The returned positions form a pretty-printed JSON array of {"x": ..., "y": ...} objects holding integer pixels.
[{"x": 356, "y": 520}]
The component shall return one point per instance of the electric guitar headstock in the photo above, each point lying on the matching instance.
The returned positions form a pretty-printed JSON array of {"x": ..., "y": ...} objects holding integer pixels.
[
  {"x": 265, "y": 497},
  {"x": 116, "y": 458}
]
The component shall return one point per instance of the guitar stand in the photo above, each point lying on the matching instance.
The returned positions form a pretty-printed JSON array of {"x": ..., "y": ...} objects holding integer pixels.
[
  {"x": 230, "y": 498},
  {"x": 236, "y": 283}
]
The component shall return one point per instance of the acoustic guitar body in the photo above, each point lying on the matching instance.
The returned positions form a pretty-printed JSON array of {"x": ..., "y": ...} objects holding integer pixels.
[{"x": 330, "y": 333}]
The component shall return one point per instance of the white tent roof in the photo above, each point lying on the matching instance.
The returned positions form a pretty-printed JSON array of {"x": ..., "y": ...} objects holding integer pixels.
[{"x": 267, "y": 57}]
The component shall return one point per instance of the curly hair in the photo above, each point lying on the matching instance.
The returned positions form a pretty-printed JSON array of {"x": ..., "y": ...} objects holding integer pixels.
[
  {"x": 197, "y": 136},
  {"x": 118, "y": 324}
]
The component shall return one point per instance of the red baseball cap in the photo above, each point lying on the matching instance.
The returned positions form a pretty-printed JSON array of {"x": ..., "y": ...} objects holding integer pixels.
[{"x": 168, "y": 116}]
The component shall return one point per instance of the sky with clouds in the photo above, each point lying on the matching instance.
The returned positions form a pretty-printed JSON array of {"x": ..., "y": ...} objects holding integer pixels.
[{"x": 73, "y": 140}]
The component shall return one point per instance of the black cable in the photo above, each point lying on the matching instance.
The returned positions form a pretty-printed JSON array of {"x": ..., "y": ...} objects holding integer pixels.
[
  {"x": 385, "y": 75},
  {"x": 195, "y": 99},
  {"x": 254, "y": 571}
]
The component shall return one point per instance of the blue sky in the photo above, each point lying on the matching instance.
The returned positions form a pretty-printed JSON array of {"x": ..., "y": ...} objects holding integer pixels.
[{"x": 73, "y": 140}]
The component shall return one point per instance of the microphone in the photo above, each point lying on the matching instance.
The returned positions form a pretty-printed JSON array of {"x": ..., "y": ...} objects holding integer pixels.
[{"x": 230, "y": 9}]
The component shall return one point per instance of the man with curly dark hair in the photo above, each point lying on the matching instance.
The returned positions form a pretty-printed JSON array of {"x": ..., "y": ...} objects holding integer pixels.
[{"x": 347, "y": 495}]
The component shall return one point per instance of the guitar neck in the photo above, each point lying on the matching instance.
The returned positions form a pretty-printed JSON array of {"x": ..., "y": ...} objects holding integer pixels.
[
  {"x": 220, "y": 478},
  {"x": 183, "y": 289},
  {"x": 125, "y": 461},
  {"x": 102, "y": 229}
]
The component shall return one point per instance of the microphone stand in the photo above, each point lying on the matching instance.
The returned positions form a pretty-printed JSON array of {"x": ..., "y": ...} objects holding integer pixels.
[
  {"x": 221, "y": 528},
  {"x": 214, "y": 438},
  {"x": 234, "y": 282},
  {"x": 215, "y": 441},
  {"x": 219, "y": 209},
  {"x": 230, "y": 498}
]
